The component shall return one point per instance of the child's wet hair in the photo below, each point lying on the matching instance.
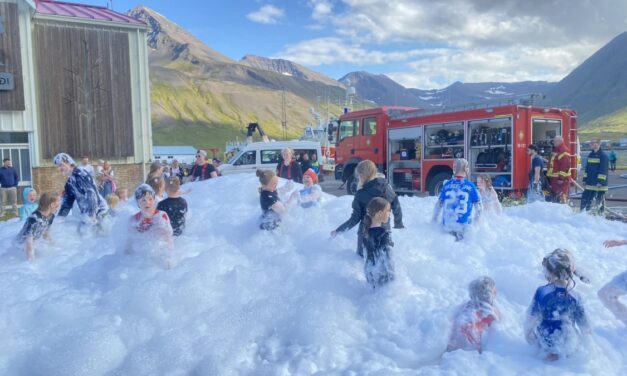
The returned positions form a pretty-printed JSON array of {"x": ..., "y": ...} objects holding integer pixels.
[
  {"x": 482, "y": 289},
  {"x": 375, "y": 205},
  {"x": 486, "y": 179},
  {"x": 143, "y": 190},
  {"x": 265, "y": 176},
  {"x": 172, "y": 185},
  {"x": 46, "y": 200},
  {"x": 560, "y": 265},
  {"x": 156, "y": 183}
]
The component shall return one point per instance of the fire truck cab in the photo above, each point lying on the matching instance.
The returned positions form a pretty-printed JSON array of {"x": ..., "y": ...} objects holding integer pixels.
[{"x": 415, "y": 149}]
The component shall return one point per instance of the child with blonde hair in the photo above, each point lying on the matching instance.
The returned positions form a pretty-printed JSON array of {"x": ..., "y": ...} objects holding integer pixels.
[
  {"x": 158, "y": 185},
  {"x": 369, "y": 187},
  {"x": 489, "y": 197},
  {"x": 459, "y": 201},
  {"x": 556, "y": 319},
  {"x": 378, "y": 265},
  {"x": 112, "y": 200},
  {"x": 175, "y": 205},
  {"x": 38, "y": 224},
  {"x": 475, "y": 316}
]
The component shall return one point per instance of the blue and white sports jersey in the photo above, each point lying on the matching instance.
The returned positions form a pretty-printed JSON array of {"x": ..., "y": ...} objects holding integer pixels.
[{"x": 458, "y": 195}]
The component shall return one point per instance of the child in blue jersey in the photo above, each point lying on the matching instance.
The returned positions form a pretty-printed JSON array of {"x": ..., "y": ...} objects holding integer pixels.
[
  {"x": 475, "y": 317},
  {"x": 556, "y": 320},
  {"x": 378, "y": 265},
  {"x": 459, "y": 201}
]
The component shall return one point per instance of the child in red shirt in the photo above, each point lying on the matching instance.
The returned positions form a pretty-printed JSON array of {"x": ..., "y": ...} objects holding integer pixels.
[{"x": 475, "y": 316}]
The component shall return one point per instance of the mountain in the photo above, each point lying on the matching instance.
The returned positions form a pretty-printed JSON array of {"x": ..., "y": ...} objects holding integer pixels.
[
  {"x": 382, "y": 90},
  {"x": 200, "y": 97},
  {"x": 597, "y": 87},
  {"x": 287, "y": 68}
]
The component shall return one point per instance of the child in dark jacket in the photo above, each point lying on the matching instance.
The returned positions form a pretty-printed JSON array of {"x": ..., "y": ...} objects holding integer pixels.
[
  {"x": 475, "y": 316},
  {"x": 175, "y": 205},
  {"x": 556, "y": 320},
  {"x": 378, "y": 266},
  {"x": 370, "y": 186},
  {"x": 38, "y": 224},
  {"x": 271, "y": 205}
]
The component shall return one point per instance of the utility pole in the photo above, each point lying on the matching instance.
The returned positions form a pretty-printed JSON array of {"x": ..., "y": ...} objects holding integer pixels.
[{"x": 283, "y": 114}]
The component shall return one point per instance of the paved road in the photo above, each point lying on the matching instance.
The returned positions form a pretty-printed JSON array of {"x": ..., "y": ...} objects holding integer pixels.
[{"x": 332, "y": 186}]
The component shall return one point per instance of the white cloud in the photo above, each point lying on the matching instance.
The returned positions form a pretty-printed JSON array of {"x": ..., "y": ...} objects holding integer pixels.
[
  {"x": 476, "y": 40},
  {"x": 327, "y": 51},
  {"x": 267, "y": 14},
  {"x": 321, "y": 9}
]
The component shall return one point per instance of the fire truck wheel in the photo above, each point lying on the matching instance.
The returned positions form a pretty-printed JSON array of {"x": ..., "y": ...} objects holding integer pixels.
[
  {"x": 436, "y": 183},
  {"x": 351, "y": 185}
]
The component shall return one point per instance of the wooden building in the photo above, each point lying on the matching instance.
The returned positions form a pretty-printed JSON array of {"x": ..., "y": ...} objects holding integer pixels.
[{"x": 74, "y": 79}]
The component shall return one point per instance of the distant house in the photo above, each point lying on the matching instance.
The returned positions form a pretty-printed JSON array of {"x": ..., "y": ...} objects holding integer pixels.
[
  {"x": 73, "y": 78},
  {"x": 183, "y": 154}
]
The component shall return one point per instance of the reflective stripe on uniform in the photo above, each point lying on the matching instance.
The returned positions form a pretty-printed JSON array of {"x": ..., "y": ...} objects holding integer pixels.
[
  {"x": 564, "y": 154},
  {"x": 602, "y": 177},
  {"x": 594, "y": 160},
  {"x": 595, "y": 188}
]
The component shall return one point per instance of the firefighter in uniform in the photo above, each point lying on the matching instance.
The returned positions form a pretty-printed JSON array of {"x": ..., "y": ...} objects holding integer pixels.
[
  {"x": 559, "y": 171},
  {"x": 595, "y": 178}
]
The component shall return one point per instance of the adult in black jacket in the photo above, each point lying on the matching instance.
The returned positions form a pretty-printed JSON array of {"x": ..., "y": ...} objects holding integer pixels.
[
  {"x": 371, "y": 187},
  {"x": 288, "y": 168},
  {"x": 595, "y": 178}
]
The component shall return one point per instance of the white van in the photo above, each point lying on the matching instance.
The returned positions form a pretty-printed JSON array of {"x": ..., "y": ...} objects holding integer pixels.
[{"x": 266, "y": 155}]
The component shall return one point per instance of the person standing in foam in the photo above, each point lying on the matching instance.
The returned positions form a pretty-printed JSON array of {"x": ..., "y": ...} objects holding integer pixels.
[
  {"x": 370, "y": 185},
  {"x": 150, "y": 222},
  {"x": 475, "y": 316},
  {"x": 556, "y": 320},
  {"x": 459, "y": 201},
  {"x": 378, "y": 265},
  {"x": 80, "y": 187},
  {"x": 38, "y": 224},
  {"x": 271, "y": 206}
]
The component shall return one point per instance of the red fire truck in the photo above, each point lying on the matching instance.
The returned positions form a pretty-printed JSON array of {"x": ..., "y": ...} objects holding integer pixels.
[{"x": 416, "y": 148}]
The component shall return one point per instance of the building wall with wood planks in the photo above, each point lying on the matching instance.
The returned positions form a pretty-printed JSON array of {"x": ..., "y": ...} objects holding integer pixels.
[
  {"x": 24, "y": 119},
  {"x": 85, "y": 100}
]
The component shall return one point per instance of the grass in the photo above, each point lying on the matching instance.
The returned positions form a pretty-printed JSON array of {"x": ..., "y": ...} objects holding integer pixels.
[{"x": 7, "y": 216}]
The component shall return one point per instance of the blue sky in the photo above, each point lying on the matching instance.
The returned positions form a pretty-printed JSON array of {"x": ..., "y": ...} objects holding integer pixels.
[{"x": 424, "y": 44}]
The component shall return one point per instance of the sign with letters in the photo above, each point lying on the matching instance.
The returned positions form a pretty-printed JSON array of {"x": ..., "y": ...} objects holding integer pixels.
[{"x": 6, "y": 81}]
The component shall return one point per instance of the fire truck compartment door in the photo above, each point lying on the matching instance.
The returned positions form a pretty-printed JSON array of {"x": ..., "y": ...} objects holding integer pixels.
[{"x": 405, "y": 133}]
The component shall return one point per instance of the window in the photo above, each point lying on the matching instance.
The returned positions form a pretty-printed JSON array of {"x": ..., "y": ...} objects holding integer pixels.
[
  {"x": 348, "y": 128},
  {"x": 370, "y": 126},
  {"x": 21, "y": 161},
  {"x": 270, "y": 156},
  {"x": 13, "y": 138},
  {"x": 248, "y": 158}
]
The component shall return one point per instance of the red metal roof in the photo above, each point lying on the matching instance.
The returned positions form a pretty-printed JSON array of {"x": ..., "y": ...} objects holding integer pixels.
[{"x": 85, "y": 11}]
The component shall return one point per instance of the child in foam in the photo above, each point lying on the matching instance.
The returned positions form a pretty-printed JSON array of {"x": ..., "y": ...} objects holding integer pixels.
[
  {"x": 30, "y": 203},
  {"x": 149, "y": 221},
  {"x": 175, "y": 205},
  {"x": 556, "y": 320},
  {"x": 271, "y": 205},
  {"x": 475, "y": 316},
  {"x": 617, "y": 287},
  {"x": 378, "y": 265},
  {"x": 489, "y": 197},
  {"x": 459, "y": 201},
  {"x": 38, "y": 223},
  {"x": 310, "y": 194},
  {"x": 158, "y": 185},
  {"x": 80, "y": 187}
]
